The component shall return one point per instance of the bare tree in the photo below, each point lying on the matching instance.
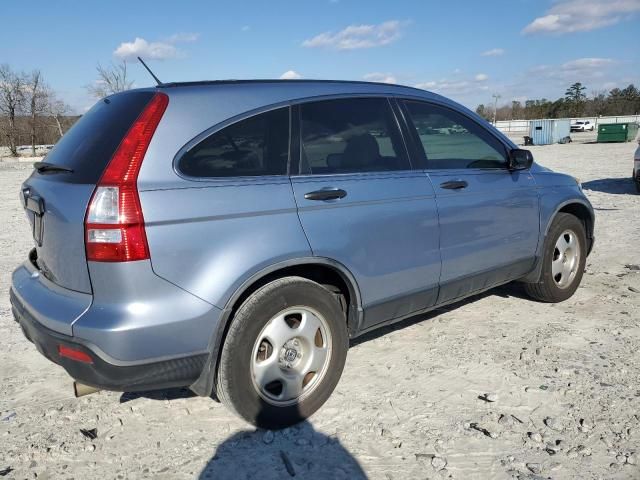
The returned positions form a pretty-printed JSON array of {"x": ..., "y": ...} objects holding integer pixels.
[
  {"x": 11, "y": 103},
  {"x": 37, "y": 101},
  {"x": 112, "y": 79},
  {"x": 58, "y": 110}
]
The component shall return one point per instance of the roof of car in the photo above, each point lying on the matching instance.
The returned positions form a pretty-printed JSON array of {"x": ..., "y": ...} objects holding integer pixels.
[
  {"x": 301, "y": 88},
  {"x": 286, "y": 81}
]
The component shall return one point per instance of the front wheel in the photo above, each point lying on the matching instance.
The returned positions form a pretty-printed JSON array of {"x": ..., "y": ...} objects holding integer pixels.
[
  {"x": 283, "y": 354},
  {"x": 564, "y": 258}
]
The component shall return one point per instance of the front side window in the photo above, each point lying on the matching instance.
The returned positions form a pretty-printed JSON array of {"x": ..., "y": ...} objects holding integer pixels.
[
  {"x": 258, "y": 145},
  {"x": 350, "y": 136},
  {"x": 451, "y": 140}
]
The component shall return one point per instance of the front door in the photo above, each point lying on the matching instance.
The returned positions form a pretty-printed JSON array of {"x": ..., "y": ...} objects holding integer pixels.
[{"x": 488, "y": 214}]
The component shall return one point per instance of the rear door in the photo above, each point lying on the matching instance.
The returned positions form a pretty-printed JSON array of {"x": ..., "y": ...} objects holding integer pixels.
[
  {"x": 489, "y": 219},
  {"x": 56, "y": 199},
  {"x": 361, "y": 204}
]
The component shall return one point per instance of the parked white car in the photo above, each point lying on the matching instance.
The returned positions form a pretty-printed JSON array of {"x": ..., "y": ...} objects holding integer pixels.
[
  {"x": 636, "y": 167},
  {"x": 582, "y": 126}
]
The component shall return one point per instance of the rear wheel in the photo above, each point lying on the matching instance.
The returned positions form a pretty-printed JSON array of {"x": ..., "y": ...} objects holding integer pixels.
[
  {"x": 283, "y": 354},
  {"x": 563, "y": 260}
]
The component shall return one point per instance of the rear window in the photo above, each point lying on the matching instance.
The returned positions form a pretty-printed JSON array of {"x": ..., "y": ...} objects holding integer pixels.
[
  {"x": 89, "y": 145},
  {"x": 255, "y": 146}
]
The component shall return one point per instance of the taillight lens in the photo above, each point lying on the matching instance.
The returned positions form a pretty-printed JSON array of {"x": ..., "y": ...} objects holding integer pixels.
[
  {"x": 114, "y": 225},
  {"x": 105, "y": 206}
]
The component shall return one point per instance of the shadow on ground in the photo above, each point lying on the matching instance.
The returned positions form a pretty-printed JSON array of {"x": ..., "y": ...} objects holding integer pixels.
[
  {"x": 616, "y": 186},
  {"x": 298, "y": 451},
  {"x": 166, "y": 394}
]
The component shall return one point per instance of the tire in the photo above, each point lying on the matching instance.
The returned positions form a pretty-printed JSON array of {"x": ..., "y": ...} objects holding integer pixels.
[
  {"x": 256, "y": 338},
  {"x": 637, "y": 182},
  {"x": 561, "y": 286}
]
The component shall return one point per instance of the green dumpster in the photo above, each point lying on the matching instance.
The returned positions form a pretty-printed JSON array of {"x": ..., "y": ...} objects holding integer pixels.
[{"x": 617, "y": 132}]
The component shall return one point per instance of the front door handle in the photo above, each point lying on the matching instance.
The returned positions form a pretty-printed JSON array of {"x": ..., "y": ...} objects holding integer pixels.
[
  {"x": 454, "y": 185},
  {"x": 326, "y": 194}
]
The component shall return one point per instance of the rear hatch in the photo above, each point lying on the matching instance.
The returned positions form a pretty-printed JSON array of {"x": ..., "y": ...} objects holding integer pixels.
[{"x": 56, "y": 196}]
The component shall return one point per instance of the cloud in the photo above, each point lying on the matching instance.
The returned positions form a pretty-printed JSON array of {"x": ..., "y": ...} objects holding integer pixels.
[
  {"x": 481, "y": 77},
  {"x": 183, "y": 37},
  {"x": 580, "y": 69},
  {"x": 290, "y": 75},
  {"x": 245, "y": 28},
  {"x": 358, "y": 36},
  {"x": 457, "y": 88},
  {"x": 494, "y": 52},
  {"x": 380, "y": 77},
  {"x": 147, "y": 50},
  {"x": 162, "y": 50},
  {"x": 587, "y": 63},
  {"x": 568, "y": 16}
]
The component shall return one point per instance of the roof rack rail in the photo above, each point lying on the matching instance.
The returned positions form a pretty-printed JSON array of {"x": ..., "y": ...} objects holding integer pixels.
[{"x": 250, "y": 81}]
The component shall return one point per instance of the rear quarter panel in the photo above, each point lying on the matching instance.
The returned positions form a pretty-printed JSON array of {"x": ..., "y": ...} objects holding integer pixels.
[{"x": 209, "y": 238}]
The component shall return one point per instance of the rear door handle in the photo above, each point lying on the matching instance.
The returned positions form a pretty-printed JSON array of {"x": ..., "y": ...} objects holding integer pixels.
[
  {"x": 326, "y": 194},
  {"x": 454, "y": 185}
]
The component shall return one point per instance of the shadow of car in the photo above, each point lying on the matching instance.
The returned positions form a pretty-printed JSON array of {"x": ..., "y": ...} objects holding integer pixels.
[
  {"x": 299, "y": 451},
  {"x": 615, "y": 186}
]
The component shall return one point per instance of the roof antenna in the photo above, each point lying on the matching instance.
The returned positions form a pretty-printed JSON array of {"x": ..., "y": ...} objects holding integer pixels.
[{"x": 150, "y": 72}]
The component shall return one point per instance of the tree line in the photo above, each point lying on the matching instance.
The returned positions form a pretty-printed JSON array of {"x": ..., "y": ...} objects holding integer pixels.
[
  {"x": 32, "y": 114},
  {"x": 31, "y": 111},
  {"x": 575, "y": 103}
]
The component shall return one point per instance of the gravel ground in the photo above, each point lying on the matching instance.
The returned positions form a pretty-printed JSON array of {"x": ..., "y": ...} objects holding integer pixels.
[{"x": 563, "y": 381}]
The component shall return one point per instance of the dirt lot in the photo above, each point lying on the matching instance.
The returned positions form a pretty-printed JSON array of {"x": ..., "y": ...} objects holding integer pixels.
[{"x": 566, "y": 381}]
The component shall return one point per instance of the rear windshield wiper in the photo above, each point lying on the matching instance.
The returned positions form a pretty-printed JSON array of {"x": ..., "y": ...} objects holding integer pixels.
[{"x": 42, "y": 167}]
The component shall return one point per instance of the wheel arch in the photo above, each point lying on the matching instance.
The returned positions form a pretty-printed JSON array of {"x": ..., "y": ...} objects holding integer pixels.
[
  {"x": 579, "y": 209},
  {"x": 318, "y": 269},
  {"x": 325, "y": 271}
]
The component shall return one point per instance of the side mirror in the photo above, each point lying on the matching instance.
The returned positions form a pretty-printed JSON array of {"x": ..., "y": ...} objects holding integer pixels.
[{"x": 520, "y": 159}]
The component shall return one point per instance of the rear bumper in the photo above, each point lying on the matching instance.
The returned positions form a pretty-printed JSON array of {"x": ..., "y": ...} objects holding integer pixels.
[
  {"x": 141, "y": 332},
  {"x": 100, "y": 373},
  {"x": 132, "y": 317}
]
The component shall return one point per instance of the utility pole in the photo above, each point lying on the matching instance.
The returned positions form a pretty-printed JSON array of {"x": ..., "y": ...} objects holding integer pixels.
[{"x": 495, "y": 106}]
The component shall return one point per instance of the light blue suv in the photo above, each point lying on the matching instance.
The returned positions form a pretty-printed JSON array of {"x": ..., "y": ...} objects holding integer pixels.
[{"x": 232, "y": 236}]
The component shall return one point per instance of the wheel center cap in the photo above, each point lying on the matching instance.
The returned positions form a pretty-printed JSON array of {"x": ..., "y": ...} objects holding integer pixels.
[{"x": 290, "y": 354}]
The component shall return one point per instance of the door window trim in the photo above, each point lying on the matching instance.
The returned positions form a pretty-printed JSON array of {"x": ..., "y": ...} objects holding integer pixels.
[{"x": 419, "y": 149}]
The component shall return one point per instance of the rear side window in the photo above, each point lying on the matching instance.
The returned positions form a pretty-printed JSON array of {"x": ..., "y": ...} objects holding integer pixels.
[
  {"x": 89, "y": 145},
  {"x": 350, "y": 136},
  {"x": 256, "y": 146},
  {"x": 451, "y": 140}
]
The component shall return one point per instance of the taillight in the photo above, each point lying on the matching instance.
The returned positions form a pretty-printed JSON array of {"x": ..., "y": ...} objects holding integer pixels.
[{"x": 114, "y": 225}]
